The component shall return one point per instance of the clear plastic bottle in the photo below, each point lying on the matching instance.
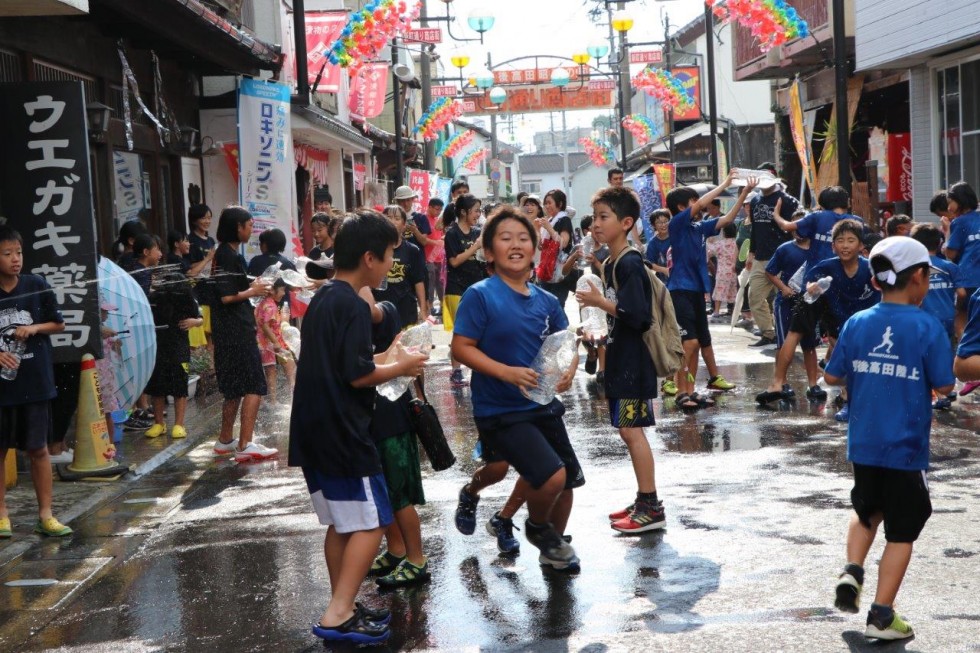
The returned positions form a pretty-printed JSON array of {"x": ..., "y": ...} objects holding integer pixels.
[
  {"x": 553, "y": 360},
  {"x": 17, "y": 348},
  {"x": 418, "y": 339},
  {"x": 268, "y": 277},
  {"x": 593, "y": 318},
  {"x": 291, "y": 336},
  {"x": 588, "y": 246},
  {"x": 823, "y": 284},
  {"x": 294, "y": 278}
]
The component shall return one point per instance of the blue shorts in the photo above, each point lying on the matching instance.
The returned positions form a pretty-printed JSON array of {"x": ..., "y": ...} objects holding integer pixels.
[
  {"x": 631, "y": 413},
  {"x": 783, "y": 317},
  {"x": 349, "y": 504}
]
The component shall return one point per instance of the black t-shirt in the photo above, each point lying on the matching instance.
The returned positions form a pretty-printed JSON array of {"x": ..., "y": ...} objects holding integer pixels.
[
  {"x": 630, "y": 373},
  {"x": 407, "y": 269},
  {"x": 173, "y": 301},
  {"x": 199, "y": 247},
  {"x": 142, "y": 275},
  {"x": 30, "y": 302},
  {"x": 316, "y": 272},
  {"x": 390, "y": 417},
  {"x": 260, "y": 262},
  {"x": 766, "y": 235},
  {"x": 235, "y": 320},
  {"x": 461, "y": 277},
  {"x": 330, "y": 426},
  {"x": 179, "y": 263},
  {"x": 422, "y": 222}
]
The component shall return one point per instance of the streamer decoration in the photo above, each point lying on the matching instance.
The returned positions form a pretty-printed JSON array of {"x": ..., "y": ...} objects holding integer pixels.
[
  {"x": 439, "y": 114},
  {"x": 474, "y": 157},
  {"x": 641, "y": 127},
  {"x": 369, "y": 30},
  {"x": 457, "y": 143},
  {"x": 665, "y": 87},
  {"x": 771, "y": 22},
  {"x": 600, "y": 153}
]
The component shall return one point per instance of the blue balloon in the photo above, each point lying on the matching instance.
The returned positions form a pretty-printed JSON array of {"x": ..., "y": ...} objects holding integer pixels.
[{"x": 791, "y": 14}]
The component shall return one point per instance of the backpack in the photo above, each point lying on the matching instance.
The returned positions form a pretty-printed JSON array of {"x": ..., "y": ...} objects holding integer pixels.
[{"x": 663, "y": 338}]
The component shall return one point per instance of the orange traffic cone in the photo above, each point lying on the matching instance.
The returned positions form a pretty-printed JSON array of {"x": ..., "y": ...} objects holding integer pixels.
[
  {"x": 94, "y": 451},
  {"x": 10, "y": 469}
]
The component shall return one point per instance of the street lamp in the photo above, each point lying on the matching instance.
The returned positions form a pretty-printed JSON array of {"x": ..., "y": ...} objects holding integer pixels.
[
  {"x": 597, "y": 50},
  {"x": 581, "y": 58},
  {"x": 560, "y": 77},
  {"x": 483, "y": 79},
  {"x": 622, "y": 21},
  {"x": 480, "y": 20},
  {"x": 459, "y": 58},
  {"x": 498, "y": 95}
]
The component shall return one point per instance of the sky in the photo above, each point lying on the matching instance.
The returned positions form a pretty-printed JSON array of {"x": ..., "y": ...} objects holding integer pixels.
[{"x": 551, "y": 27}]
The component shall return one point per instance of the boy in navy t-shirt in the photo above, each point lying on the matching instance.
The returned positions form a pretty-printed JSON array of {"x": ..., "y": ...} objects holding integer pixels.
[
  {"x": 892, "y": 354},
  {"x": 659, "y": 245},
  {"x": 28, "y": 315},
  {"x": 819, "y": 225}
]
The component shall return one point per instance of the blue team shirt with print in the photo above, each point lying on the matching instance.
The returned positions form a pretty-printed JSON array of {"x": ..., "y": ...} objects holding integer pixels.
[
  {"x": 509, "y": 328},
  {"x": 846, "y": 295},
  {"x": 892, "y": 356},
  {"x": 785, "y": 261},
  {"x": 657, "y": 254},
  {"x": 819, "y": 227},
  {"x": 964, "y": 237},
  {"x": 690, "y": 260},
  {"x": 940, "y": 301},
  {"x": 970, "y": 342}
]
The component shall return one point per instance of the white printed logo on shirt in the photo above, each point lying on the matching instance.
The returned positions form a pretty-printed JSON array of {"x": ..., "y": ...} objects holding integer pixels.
[
  {"x": 10, "y": 320},
  {"x": 886, "y": 341}
]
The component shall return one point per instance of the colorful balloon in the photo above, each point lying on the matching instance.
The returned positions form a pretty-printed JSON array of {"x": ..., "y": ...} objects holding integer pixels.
[
  {"x": 771, "y": 22},
  {"x": 641, "y": 127},
  {"x": 599, "y": 152}
]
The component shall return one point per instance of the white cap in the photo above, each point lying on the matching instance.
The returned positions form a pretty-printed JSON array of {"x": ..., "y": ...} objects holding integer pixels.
[
  {"x": 404, "y": 193},
  {"x": 902, "y": 252}
]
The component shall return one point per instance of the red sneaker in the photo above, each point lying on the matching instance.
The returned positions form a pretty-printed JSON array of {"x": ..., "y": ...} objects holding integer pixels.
[
  {"x": 969, "y": 387},
  {"x": 642, "y": 519},
  {"x": 621, "y": 514}
]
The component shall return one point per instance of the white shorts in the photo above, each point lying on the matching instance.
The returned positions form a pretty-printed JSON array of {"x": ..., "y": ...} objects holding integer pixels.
[{"x": 349, "y": 504}]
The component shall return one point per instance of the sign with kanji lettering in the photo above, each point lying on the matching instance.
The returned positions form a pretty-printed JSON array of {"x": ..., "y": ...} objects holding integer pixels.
[
  {"x": 646, "y": 56},
  {"x": 602, "y": 85},
  {"x": 536, "y": 99},
  {"x": 322, "y": 29},
  {"x": 444, "y": 90},
  {"x": 367, "y": 90},
  {"x": 266, "y": 170},
  {"x": 424, "y": 35},
  {"x": 46, "y": 185}
]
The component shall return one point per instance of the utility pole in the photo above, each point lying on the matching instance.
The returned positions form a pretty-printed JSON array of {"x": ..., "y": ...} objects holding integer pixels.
[
  {"x": 302, "y": 71},
  {"x": 564, "y": 146},
  {"x": 667, "y": 65},
  {"x": 840, "y": 97},
  {"x": 625, "y": 94},
  {"x": 709, "y": 34},
  {"x": 396, "y": 89},
  {"x": 429, "y": 152}
]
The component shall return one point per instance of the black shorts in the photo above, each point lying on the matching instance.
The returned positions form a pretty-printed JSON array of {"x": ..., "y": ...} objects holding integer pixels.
[
  {"x": 900, "y": 496},
  {"x": 169, "y": 378},
  {"x": 25, "y": 426},
  {"x": 534, "y": 442},
  {"x": 963, "y": 303},
  {"x": 692, "y": 316},
  {"x": 806, "y": 318}
]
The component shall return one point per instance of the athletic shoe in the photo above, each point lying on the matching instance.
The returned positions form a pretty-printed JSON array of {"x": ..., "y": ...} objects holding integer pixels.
[
  {"x": 358, "y": 630},
  {"x": 404, "y": 574},
  {"x": 503, "y": 529},
  {"x": 668, "y": 387},
  {"x": 52, "y": 528},
  {"x": 969, "y": 387},
  {"x": 225, "y": 448},
  {"x": 384, "y": 564},
  {"x": 6, "y": 531},
  {"x": 788, "y": 391},
  {"x": 622, "y": 514},
  {"x": 951, "y": 396},
  {"x": 887, "y": 624},
  {"x": 720, "y": 383},
  {"x": 135, "y": 423},
  {"x": 843, "y": 414},
  {"x": 848, "y": 593},
  {"x": 456, "y": 378},
  {"x": 743, "y": 323},
  {"x": 466, "y": 512},
  {"x": 155, "y": 431},
  {"x": 816, "y": 393},
  {"x": 942, "y": 404},
  {"x": 769, "y": 396},
  {"x": 555, "y": 551},
  {"x": 178, "y": 432},
  {"x": 645, "y": 517},
  {"x": 380, "y": 616},
  {"x": 719, "y": 319},
  {"x": 764, "y": 343},
  {"x": 64, "y": 458},
  {"x": 255, "y": 452}
]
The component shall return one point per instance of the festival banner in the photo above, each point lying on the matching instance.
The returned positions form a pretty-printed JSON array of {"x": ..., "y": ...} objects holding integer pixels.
[
  {"x": 800, "y": 139},
  {"x": 360, "y": 176},
  {"x": 420, "y": 182},
  {"x": 46, "y": 185},
  {"x": 646, "y": 188},
  {"x": 266, "y": 166},
  {"x": 322, "y": 29},
  {"x": 666, "y": 179},
  {"x": 690, "y": 77},
  {"x": 367, "y": 90},
  {"x": 899, "y": 167}
]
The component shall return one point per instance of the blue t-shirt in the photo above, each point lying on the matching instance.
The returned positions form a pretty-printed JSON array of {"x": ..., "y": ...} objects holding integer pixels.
[
  {"x": 784, "y": 263},
  {"x": 964, "y": 238},
  {"x": 509, "y": 328},
  {"x": 819, "y": 227},
  {"x": 940, "y": 301},
  {"x": 846, "y": 295},
  {"x": 970, "y": 341},
  {"x": 657, "y": 254},
  {"x": 893, "y": 355},
  {"x": 690, "y": 269},
  {"x": 30, "y": 302}
]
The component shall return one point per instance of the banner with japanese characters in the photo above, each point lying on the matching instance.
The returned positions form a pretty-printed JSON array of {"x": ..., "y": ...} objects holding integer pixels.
[
  {"x": 322, "y": 29},
  {"x": 420, "y": 181},
  {"x": 46, "y": 188},
  {"x": 265, "y": 155},
  {"x": 367, "y": 90}
]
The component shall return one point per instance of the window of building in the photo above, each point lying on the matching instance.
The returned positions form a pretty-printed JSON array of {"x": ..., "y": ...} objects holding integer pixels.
[
  {"x": 533, "y": 187},
  {"x": 959, "y": 124}
]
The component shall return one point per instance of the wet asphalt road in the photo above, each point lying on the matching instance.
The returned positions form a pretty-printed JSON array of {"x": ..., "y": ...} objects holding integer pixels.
[{"x": 207, "y": 555}]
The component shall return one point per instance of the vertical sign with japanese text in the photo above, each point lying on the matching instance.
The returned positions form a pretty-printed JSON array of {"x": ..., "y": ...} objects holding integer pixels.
[
  {"x": 46, "y": 187},
  {"x": 265, "y": 155},
  {"x": 367, "y": 90},
  {"x": 322, "y": 29}
]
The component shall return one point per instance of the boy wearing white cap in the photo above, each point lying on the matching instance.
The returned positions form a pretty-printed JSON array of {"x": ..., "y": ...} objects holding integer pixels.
[{"x": 892, "y": 354}]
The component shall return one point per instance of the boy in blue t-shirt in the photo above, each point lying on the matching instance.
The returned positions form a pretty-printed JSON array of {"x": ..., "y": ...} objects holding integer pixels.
[
  {"x": 890, "y": 355},
  {"x": 28, "y": 315},
  {"x": 819, "y": 225}
]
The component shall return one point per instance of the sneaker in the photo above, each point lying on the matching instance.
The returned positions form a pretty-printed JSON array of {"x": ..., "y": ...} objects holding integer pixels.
[
  {"x": 6, "y": 531},
  {"x": 555, "y": 551},
  {"x": 668, "y": 387},
  {"x": 643, "y": 518},
  {"x": 384, "y": 564},
  {"x": 466, "y": 512},
  {"x": 358, "y": 630},
  {"x": 951, "y": 396},
  {"x": 843, "y": 414},
  {"x": 764, "y": 343},
  {"x": 503, "y": 529},
  {"x": 719, "y": 383},
  {"x": 456, "y": 378},
  {"x": 816, "y": 393},
  {"x": 255, "y": 452},
  {"x": 155, "y": 431},
  {"x": 719, "y": 319},
  {"x": 379, "y": 616},
  {"x": 887, "y": 624},
  {"x": 225, "y": 448},
  {"x": 942, "y": 404},
  {"x": 405, "y": 574},
  {"x": 135, "y": 423},
  {"x": 178, "y": 432},
  {"x": 969, "y": 387},
  {"x": 620, "y": 514},
  {"x": 743, "y": 323},
  {"x": 848, "y": 593},
  {"x": 591, "y": 361},
  {"x": 788, "y": 391},
  {"x": 52, "y": 528},
  {"x": 64, "y": 458}
]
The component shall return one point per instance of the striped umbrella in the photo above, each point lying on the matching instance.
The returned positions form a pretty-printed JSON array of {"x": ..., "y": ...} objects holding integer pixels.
[{"x": 133, "y": 320}]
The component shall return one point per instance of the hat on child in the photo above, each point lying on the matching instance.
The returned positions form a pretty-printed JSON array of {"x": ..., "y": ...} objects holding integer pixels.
[{"x": 902, "y": 252}]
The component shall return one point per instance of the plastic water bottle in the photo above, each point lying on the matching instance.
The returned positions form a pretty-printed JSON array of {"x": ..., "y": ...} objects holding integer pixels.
[
  {"x": 17, "y": 348},
  {"x": 324, "y": 262},
  {"x": 290, "y": 335},
  {"x": 553, "y": 360},
  {"x": 417, "y": 340},
  {"x": 268, "y": 277},
  {"x": 593, "y": 318},
  {"x": 294, "y": 278},
  {"x": 823, "y": 284},
  {"x": 588, "y": 246}
]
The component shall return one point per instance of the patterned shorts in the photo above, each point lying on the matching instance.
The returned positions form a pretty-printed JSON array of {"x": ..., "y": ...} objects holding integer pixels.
[{"x": 631, "y": 413}]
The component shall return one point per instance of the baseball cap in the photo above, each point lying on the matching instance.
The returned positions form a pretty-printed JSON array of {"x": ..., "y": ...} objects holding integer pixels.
[
  {"x": 404, "y": 193},
  {"x": 902, "y": 253}
]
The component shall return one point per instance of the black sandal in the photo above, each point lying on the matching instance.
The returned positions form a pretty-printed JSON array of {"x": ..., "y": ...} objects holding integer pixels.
[
  {"x": 704, "y": 401},
  {"x": 684, "y": 401}
]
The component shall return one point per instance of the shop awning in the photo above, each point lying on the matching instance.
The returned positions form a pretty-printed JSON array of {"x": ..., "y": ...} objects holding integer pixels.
[
  {"x": 315, "y": 160},
  {"x": 318, "y": 128}
]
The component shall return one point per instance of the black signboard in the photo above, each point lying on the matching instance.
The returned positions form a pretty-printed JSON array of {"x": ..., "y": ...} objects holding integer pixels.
[{"x": 46, "y": 195}]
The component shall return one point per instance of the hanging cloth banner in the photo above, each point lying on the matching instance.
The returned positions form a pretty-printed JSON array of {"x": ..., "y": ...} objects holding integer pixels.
[
  {"x": 367, "y": 90},
  {"x": 322, "y": 29},
  {"x": 666, "y": 178},
  {"x": 231, "y": 158},
  {"x": 315, "y": 161},
  {"x": 800, "y": 140},
  {"x": 266, "y": 163},
  {"x": 419, "y": 182},
  {"x": 129, "y": 83}
]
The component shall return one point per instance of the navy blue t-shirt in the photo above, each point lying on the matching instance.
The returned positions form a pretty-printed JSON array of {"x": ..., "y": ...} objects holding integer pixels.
[
  {"x": 330, "y": 426},
  {"x": 964, "y": 238},
  {"x": 391, "y": 418},
  {"x": 422, "y": 222},
  {"x": 785, "y": 261},
  {"x": 509, "y": 327},
  {"x": 846, "y": 295},
  {"x": 657, "y": 254},
  {"x": 892, "y": 355},
  {"x": 970, "y": 341},
  {"x": 940, "y": 301},
  {"x": 690, "y": 269},
  {"x": 630, "y": 373},
  {"x": 30, "y": 302},
  {"x": 818, "y": 227},
  {"x": 261, "y": 262}
]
